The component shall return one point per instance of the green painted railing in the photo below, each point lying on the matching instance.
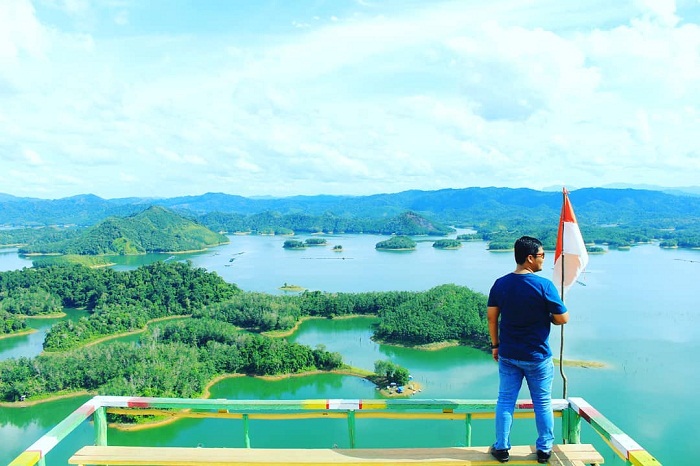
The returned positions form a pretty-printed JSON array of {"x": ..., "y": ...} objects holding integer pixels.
[{"x": 573, "y": 411}]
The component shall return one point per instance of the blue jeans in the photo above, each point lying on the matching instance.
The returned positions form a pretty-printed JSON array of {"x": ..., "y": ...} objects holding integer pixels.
[{"x": 539, "y": 376}]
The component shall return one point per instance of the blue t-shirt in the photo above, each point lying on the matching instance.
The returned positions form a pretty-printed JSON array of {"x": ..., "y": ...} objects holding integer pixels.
[{"x": 525, "y": 302}]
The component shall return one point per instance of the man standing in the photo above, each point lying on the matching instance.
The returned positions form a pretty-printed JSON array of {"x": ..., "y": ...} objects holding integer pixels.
[{"x": 527, "y": 304}]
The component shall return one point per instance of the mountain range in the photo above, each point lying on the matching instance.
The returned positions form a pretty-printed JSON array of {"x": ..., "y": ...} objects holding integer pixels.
[{"x": 596, "y": 206}]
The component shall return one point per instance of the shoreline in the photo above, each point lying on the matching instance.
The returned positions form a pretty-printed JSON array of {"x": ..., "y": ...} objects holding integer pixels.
[
  {"x": 57, "y": 315},
  {"x": 189, "y": 251},
  {"x": 292, "y": 288},
  {"x": 26, "y": 404},
  {"x": 18, "y": 334},
  {"x": 582, "y": 364},
  {"x": 30, "y": 330},
  {"x": 133, "y": 332},
  {"x": 119, "y": 335},
  {"x": 422, "y": 347}
]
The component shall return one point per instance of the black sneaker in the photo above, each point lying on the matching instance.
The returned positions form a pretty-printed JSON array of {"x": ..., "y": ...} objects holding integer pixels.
[
  {"x": 501, "y": 455},
  {"x": 543, "y": 456}
]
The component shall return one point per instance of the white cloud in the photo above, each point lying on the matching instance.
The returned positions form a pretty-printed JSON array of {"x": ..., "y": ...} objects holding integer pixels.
[
  {"x": 74, "y": 7},
  {"x": 20, "y": 31},
  {"x": 661, "y": 11},
  {"x": 32, "y": 157},
  {"x": 127, "y": 177},
  {"x": 247, "y": 166},
  {"x": 193, "y": 159},
  {"x": 121, "y": 18},
  {"x": 452, "y": 94}
]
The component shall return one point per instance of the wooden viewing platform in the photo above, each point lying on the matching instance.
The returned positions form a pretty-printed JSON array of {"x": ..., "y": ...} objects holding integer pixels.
[
  {"x": 562, "y": 455},
  {"x": 572, "y": 452}
]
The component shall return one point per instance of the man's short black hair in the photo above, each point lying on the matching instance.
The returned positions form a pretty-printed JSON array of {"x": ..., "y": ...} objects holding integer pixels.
[{"x": 526, "y": 246}]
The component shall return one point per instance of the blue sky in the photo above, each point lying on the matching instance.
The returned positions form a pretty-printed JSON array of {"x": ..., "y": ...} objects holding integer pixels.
[{"x": 125, "y": 98}]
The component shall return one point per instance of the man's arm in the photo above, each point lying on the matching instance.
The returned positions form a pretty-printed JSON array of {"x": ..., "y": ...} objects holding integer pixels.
[
  {"x": 560, "y": 319},
  {"x": 492, "y": 313},
  {"x": 554, "y": 302}
]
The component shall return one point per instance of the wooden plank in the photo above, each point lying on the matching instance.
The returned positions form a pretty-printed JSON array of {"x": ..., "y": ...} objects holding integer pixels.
[
  {"x": 571, "y": 454},
  {"x": 26, "y": 458},
  {"x": 643, "y": 458}
]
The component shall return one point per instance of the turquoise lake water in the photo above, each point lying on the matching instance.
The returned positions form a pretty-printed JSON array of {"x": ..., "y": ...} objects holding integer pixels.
[{"x": 636, "y": 311}]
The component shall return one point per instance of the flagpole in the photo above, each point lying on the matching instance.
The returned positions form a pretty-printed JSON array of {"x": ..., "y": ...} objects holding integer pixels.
[
  {"x": 576, "y": 250},
  {"x": 564, "y": 380},
  {"x": 561, "y": 343}
]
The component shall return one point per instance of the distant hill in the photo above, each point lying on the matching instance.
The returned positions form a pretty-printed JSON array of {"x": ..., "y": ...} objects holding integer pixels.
[
  {"x": 82, "y": 210},
  {"x": 406, "y": 223},
  {"x": 411, "y": 223},
  {"x": 469, "y": 206},
  {"x": 679, "y": 191},
  {"x": 155, "y": 229}
]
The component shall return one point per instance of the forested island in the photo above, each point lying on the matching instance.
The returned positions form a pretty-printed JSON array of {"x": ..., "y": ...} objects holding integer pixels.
[
  {"x": 294, "y": 244},
  {"x": 316, "y": 241},
  {"x": 447, "y": 244},
  {"x": 156, "y": 229},
  {"x": 219, "y": 333},
  {"x": 397, "y": 243}
]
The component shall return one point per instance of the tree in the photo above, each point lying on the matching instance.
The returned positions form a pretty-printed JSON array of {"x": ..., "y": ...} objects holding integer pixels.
[
  {"x": 386, "y": 372},
  {"x": 397, "y": 242}
]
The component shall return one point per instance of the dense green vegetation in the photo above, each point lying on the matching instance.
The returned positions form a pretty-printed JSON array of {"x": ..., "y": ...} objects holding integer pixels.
[
  {"x": 255, "y": 311},
  {"x": 24, "y": 236},
  {"x": 412, "y": 223},
  {"x": 444, "y": 313},
  {"x": 87, "y": 261},
  {"x": 612, "y": 236},
  {"x": 469, "y": 237},
  {"x": 175, "y": 361},
  {"x": 396, "y": 242},
  {"x": 447, "y": 244},
  {"x": 156, "y": 229},
  {"x": 293, "y": 244},
  {"x": 11, "y": 323},
  {"x": 32, "y": 301},
  {"x": 124, "y": 301},
  {"x": 116, "y": 301},
  {"x": 406, "y": 223},
  {"x": 177, "y": 358},
  {"x": 386, "y": 373},
  {"x": 263, "y": 312},
  {"x": 503, "y": 245},
  {"x": 316, "y": 242}
]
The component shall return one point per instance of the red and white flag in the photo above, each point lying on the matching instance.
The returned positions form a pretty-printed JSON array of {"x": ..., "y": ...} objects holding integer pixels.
[{"x": 570, "y": 256}]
